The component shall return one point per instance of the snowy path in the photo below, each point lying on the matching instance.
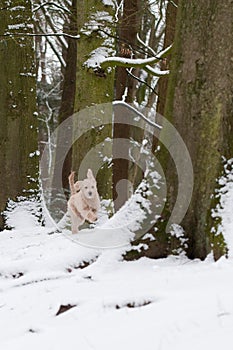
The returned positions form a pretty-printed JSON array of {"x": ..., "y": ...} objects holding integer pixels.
[{"x": 177, "y": 303}]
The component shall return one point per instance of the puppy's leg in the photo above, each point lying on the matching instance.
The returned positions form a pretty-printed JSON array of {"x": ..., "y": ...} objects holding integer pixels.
[
  {"x": 91, "y": 217},
  {"x": 76, "y": 220}
]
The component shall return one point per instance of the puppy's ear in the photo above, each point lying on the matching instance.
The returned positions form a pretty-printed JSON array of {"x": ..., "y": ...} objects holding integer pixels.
[
  {"x": 90, "y": 175},
  {"x": 77, "y": 186}
]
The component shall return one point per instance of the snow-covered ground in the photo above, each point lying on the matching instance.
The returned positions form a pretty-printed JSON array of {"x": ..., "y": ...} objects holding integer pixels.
[{"x": 165, "y": 304}]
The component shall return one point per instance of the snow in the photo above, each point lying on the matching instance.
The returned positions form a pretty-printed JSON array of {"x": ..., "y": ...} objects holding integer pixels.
[
  {"x": 130, "y": 61},
  {"x": 17, "y": 8},
  {"x": 16, "y": 26},
  {"x": 156, "y": 71},
  {"x": 149, "y": 236},
  {"x": 29, "y": 74},
  {"x": 97, "y": 56},
  {"x": 163, "y": 304},
  {"x": 107, "y": 48},
  {"x": 109, "y": 3},
  {"x": 33, "y": 154},
  {"x": 177, "y": 302},
  {"x": 224, "y": 209}
]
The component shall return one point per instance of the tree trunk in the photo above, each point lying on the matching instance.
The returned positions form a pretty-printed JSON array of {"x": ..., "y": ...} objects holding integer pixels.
[
  {"x": 125, "y": 88},
  {"x": 200, "y": 106},
  {"x": 67, "y": 102},
  {"x": 18, "y": 132},
  {"x": 161, "y": 247},
  {"x": 171, "y": 12},
  {"x": 94, "y": 86}
]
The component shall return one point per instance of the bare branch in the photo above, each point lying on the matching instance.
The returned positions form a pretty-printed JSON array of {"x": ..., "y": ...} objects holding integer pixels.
[
  {"x": 145, "y": 45},
  {"x": 50, "y": 22},
  {"x": 60, "y": 58},
  {"x": 136, "y": 48},
  {"x": 51, "y": 4},
  {"x": 141, "y": 81}
]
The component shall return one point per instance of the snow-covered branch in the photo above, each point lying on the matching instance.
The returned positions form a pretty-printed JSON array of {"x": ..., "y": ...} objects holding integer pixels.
[
  {"x": 41, "y": 34},
  {"x": 145, "y": 45},
  {"x": 173, "y": 3},
  {"x": 155, "y": 71},
  {"x": 138, "y": 62},
  {"x": 127, "y": 62}
]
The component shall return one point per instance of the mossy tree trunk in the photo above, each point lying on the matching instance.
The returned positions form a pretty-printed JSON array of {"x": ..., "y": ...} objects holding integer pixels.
[
  {"x": 200, "y": 105},
  {"x": 18, "y": 131},
  {"x": 93, "y": 86}
]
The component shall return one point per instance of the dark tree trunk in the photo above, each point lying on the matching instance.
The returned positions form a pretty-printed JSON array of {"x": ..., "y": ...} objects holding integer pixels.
[
  {"x": 165, "y": 64},
  {"x": 68, "y": 100},
  {"x": 125, "y": 85},
  {"x": 161, "y": 247}
]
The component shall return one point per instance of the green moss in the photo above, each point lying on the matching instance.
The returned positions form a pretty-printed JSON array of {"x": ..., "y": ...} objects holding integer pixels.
[
  {"x": 218, "y": 244},
  {"x": 18, "y": 132},
  {"x": 92, "y": 88},
  {"x": 194, "y": 107}
]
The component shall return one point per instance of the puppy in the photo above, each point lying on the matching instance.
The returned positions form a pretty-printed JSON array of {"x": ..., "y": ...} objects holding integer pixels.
[{"x": 84, "y": 202}]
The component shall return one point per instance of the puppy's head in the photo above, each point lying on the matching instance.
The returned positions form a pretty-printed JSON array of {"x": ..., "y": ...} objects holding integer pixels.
[{"x": 88, "y": 186}]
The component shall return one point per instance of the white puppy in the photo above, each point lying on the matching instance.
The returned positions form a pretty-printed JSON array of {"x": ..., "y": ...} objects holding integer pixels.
[{"x": 84, "y": 202}]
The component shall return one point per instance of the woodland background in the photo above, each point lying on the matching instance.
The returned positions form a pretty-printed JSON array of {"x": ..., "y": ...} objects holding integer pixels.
[{"x": 49, "y": 70}]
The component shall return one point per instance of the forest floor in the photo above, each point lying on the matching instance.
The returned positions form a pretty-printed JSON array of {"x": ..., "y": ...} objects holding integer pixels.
[{"x": 57, "y": 294}]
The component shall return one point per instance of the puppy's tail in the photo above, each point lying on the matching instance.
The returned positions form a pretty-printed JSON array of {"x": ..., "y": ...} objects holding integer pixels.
[{"x": 71, "y": 182}]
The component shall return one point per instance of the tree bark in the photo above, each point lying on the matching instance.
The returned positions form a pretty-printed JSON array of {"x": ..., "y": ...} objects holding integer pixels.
[
  {"x": 127, "y": 30},
  {"x": 199, "y": 104},
  {"x": 94, "y": 86},
  {"x": 171, "y": 12},
  {"x": 68, "y": 101},
  {"x": 18, "y": 132},
  {"x": 161, "y": 247}
]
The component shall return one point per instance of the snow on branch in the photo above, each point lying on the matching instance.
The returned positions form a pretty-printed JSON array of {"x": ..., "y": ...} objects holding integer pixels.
[
  {"x": 138, "y": 62},
  {"x": 127, "y": 62},
  {"x": 145, "y": 45},
  {"x": 155, "y": 71},
  {"x": 173, "y": 3},
  {"x": 41, "y": 34}
]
